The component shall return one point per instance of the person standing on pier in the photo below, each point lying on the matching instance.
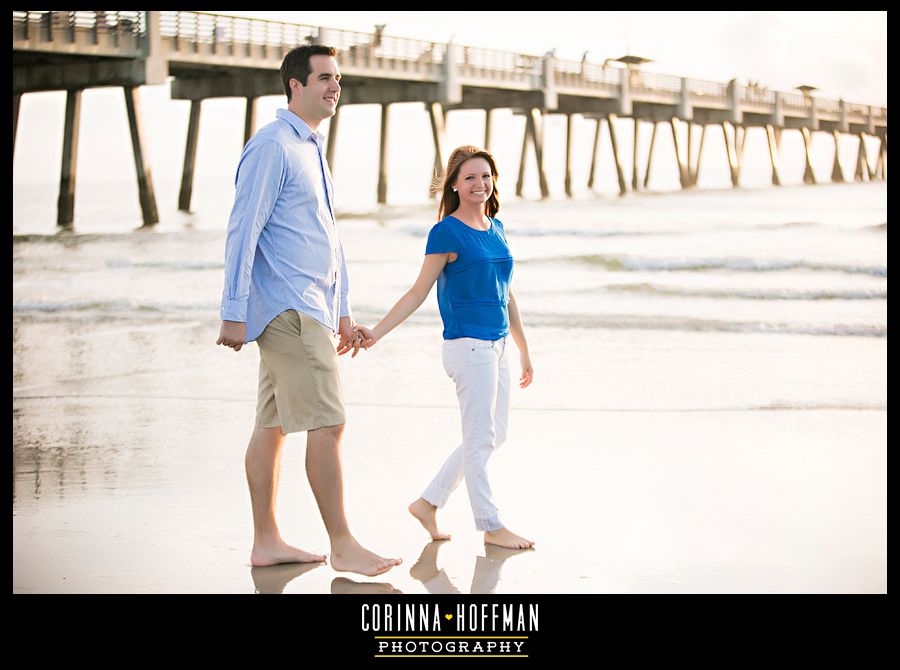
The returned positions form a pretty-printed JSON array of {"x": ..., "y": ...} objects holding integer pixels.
[
  {"x": 286, "y": 287},
  {"x": 468, "y": 255}
]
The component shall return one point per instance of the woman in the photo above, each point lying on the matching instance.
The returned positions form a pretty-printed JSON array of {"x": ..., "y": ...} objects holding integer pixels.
[{"x": 467, "y": 254}]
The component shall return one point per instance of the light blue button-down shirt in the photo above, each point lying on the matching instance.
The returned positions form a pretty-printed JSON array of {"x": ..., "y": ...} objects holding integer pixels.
[{"x": 283, "y": 250}]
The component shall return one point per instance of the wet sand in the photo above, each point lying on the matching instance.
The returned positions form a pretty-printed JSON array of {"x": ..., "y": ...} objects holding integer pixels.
[{"x": 129, "y": 438}]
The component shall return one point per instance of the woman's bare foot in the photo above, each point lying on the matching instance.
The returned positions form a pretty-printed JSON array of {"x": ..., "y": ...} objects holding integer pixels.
[
  {"x": 279, "y": 551},
  {"x": 350, "y": 556},
  {"x": 495, "y": 552},
  {"x": 426, "y": 513},
  {"x": 506, "y": 538}
]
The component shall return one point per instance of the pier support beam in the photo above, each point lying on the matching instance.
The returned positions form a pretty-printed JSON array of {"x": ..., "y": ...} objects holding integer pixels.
[
  {"x": 690, "y": 153},
  {"x": 809, "y": 176},
  {"x": 881, "y": 163},
  {"x": 862, "y": 160},
  {"x": 773, "y": 135},
  {"x": 594, "y": 154},
  {"x": 332, "y": 138},
  {"x": 438, "y": 118},
  {"x": 683, "y": 176},
  {"x": 382, "y": 155},
  {"x": 611, "y": 124},
  {"x": 520, "y": 181},
  {"x": 488, "y": 127},
  {"x": 534, "y": 134},
  {"x": 837, "y": 174},
  {"x": 732, "y": 145},
  {"x": 145, "y": 179},
  {"x": 249, "y": 119},
  {"x": 740, "y": 148},
  {"x": 569, "y": 155},
  {"x": 534, "y": 126},
  {"x": 635, "y": 168},
  {"x": 66, "y": 203},
  {"x": 650, "y": 155},
  {"x": 17, "y": 98},
  {"x": 694, "y": 165},
  {"x": 190, "y": 158}
]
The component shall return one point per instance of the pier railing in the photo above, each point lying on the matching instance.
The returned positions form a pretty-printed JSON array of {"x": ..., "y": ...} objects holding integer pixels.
[
  {"x": 114, "y": 33},
  {"x": 27, "y": 23},
  {"x": 198, "y": 35}
]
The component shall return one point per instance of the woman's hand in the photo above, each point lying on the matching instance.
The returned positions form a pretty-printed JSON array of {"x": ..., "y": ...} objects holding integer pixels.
[
  {"x": 368, "y": 336},
  {"x": 527, "y": 370}
]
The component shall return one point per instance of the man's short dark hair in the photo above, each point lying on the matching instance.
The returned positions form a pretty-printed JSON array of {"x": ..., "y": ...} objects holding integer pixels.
[{"x": 296, "y": 64}]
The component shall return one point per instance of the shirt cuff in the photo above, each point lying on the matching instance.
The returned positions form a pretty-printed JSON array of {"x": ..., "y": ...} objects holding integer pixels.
[{"x": 234, "y": 310}]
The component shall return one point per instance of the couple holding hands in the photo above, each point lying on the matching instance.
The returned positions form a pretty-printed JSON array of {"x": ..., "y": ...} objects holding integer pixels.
[{"x": 286, "y": 288}]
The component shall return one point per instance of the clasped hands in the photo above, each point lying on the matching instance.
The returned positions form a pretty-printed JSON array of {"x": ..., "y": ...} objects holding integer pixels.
[{"x": 353, "y": 337}]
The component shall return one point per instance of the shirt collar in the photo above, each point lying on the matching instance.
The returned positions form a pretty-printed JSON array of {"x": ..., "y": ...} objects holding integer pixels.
[{"x": 299, "y": 125}]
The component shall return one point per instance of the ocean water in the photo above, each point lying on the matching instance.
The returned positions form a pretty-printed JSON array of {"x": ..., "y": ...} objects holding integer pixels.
[
  {"x": 795, "y": 260},
  {"x": 794, "y": 278},
  {"x": 751, "y": 319}
]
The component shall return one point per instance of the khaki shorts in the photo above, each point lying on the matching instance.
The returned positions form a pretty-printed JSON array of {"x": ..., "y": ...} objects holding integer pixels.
[{"x": 299, "y": 383}]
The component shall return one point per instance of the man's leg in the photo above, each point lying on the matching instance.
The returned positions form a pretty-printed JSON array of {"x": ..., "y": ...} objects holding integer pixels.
[
  {"x": 263, "y": 463},
  {"x": 323, "y": 467}
]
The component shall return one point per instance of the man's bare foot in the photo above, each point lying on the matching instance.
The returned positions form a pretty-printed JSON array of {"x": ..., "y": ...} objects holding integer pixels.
[
  {"x": 506, "y": 538},
  {"x": 426, "y": 513},
  {"x": 426, "y": 567},
  {"x": 279, "y": 551},
  {"x": 350, "y": 556}
]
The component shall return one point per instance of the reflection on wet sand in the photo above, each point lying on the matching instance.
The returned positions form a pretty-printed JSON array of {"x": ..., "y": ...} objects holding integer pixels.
[
  {"x": 484, "y": 580},
  {"x": 342, "y": 585},
  {"x": 273, "y": 578}
]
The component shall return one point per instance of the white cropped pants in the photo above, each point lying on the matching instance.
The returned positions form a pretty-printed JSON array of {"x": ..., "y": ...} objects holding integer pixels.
[{"x": 480, "y": 369}]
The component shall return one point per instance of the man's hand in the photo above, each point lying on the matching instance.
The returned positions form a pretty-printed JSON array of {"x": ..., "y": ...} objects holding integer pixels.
[
  {"x": 233, "y": 334},
  {"x": 348, "y": 338},
  {"x": 368, "y": 336}
]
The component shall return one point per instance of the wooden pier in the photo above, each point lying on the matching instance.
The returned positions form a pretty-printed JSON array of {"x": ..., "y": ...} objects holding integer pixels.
[{"x": 211, "y": 56}]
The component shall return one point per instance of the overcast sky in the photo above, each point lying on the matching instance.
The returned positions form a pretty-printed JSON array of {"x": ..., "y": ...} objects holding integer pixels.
[{"x": 844, "y": 54}]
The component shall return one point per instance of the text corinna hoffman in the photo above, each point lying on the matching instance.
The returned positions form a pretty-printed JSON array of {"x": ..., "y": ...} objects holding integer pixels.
[{"x": 432, "y": 618}]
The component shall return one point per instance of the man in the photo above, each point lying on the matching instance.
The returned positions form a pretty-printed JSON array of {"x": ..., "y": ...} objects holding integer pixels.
[{"x": 286, "y": 287}]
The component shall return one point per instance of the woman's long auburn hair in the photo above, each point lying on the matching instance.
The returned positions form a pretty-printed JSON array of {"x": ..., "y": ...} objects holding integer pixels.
[{"x": 449, "y": 198}]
